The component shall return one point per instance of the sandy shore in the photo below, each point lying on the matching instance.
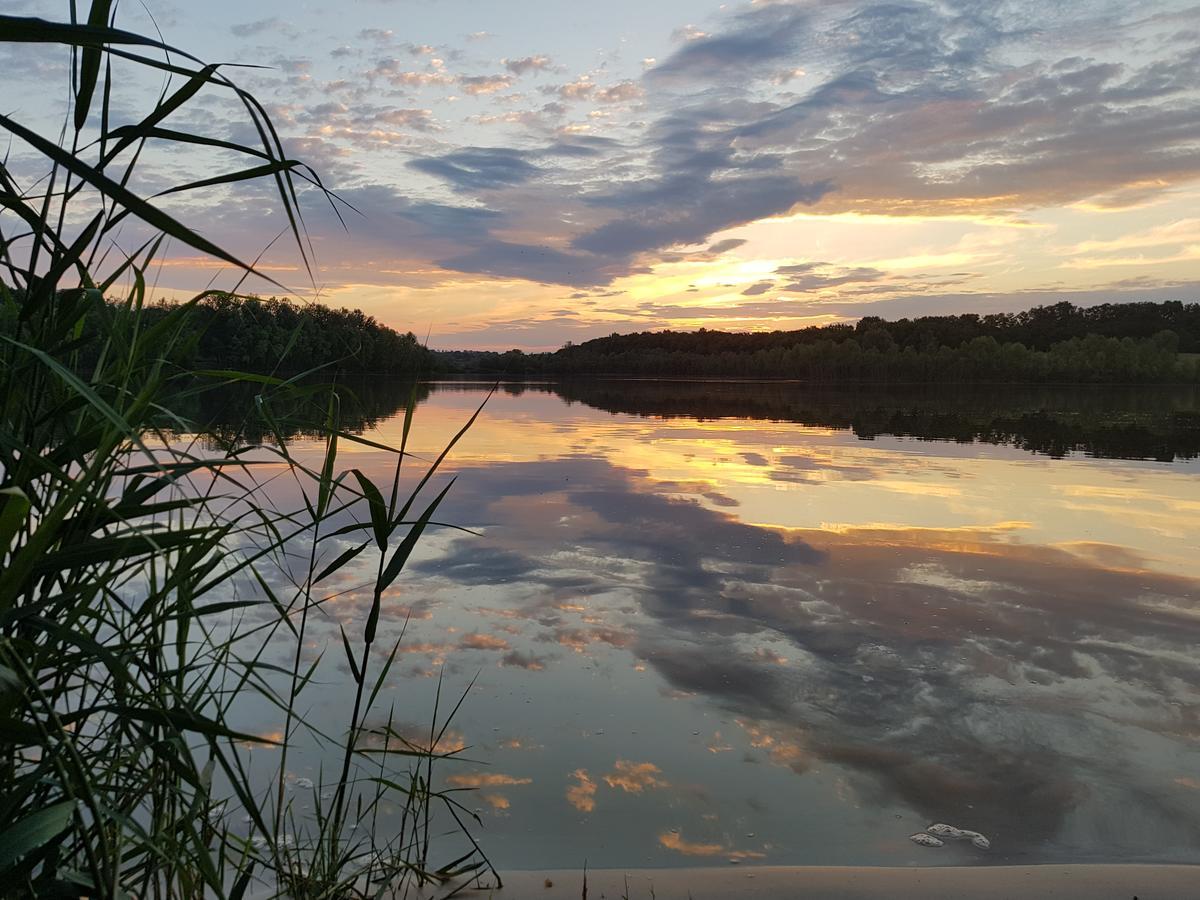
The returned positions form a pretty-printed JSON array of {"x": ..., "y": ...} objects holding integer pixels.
[{"x": 1075, "y": 882}]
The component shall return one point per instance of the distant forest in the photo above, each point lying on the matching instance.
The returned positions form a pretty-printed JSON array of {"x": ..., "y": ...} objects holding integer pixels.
[
  {"x": 1062, "y": 343},
  {"x": 252, "y": 334},
  {"x": 1112, "y": 342}
]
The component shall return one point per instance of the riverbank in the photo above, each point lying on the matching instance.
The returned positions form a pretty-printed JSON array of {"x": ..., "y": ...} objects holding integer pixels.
[{"x": 1062, "y": 882}]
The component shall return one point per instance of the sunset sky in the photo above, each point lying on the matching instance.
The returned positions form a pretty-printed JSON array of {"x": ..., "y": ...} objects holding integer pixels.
[{"x": 531, "y": 173}]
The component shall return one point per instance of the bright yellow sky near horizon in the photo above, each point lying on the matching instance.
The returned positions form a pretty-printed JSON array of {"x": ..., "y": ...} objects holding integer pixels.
[{"x": 1025, "y": 260}]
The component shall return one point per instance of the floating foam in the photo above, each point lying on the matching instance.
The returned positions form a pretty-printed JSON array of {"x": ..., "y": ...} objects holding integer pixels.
[
  {"x": 951, "y": 833},
  {"x": 926, "y": 840}
]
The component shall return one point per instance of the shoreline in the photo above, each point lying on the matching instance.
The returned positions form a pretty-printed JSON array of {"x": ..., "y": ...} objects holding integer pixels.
[{"x": 1088, "y": 881}]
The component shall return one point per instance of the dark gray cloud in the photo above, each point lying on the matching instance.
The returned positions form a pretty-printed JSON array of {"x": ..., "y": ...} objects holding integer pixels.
[
  {"x": 451, "y": 222},
  {"x": 919, "y": 106},
  {"x": 581, "y": 145},
  {"x": 478, "y": 168},
  {"x": 488, "y": 565},
  {"x": 756, "y": 39},
  {"x": 810, "y": 280},
  {"x": 535, "y": 263},
  {"x": 725, "y": 246},
  {"x": 687, "y": 209}
]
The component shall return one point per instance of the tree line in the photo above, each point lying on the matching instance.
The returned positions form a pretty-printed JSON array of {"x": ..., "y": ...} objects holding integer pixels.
[
  {"x": 254, "y": 334},
  {"x": 1114, "y": 342},
  {"x": 262, "y": 335}
]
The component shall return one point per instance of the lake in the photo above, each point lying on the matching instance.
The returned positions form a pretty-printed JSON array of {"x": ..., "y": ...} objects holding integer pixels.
[{"x": 762, "y": 623}]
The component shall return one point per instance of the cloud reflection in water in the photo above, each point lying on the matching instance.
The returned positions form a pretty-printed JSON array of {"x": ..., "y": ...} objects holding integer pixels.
[
  {"x": 947, "y": 670},
  {"x": 678, "y": 645}
]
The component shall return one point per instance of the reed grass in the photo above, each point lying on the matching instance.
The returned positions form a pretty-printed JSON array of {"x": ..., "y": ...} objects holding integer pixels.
[{"x": 137, "y": 559}]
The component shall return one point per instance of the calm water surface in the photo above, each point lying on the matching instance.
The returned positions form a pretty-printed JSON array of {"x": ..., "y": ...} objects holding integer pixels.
[{"x": 756, "y": 623}]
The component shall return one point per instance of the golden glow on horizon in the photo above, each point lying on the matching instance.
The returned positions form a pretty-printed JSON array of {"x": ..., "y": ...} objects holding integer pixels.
[{"x": 962, "y": 253}]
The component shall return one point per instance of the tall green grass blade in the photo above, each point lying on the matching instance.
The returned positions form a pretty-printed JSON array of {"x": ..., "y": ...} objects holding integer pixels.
[
  {"x": 129, "y": 201},
  {"x": 340, "y": 561},
  {"x": 34, "y": 831},
  {"x": 379, "y": 517},
  {"x": 89, "y": 68},
  {"x": 396, "y": 564},
  {"x": 14, "y": 512}
]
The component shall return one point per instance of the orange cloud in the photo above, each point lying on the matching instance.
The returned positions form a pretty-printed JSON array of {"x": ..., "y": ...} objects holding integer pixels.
[
  {"x": 483, "y": 642},
  {"x": 423, "y": 647},
  {"x": 716, "y": 745},
  {"x": 673, "y": 840},
  {"x": 519, "y": 744},
  {"x": 416, "y": 736},
  {"x": 485, "y": 779},
  {"x": 786, "y": 751},
  {"x": 497, "y": 802},
  {"x": 266, "y": 742},
  {"x": 633, "y": 778},
  {"x": 582, "y": 796}
]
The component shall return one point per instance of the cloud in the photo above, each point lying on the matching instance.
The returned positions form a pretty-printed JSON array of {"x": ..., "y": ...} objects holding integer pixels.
[
  {"x": 914, "y": 108},
  {"x": 674, "y": 840},
  {"x": 688, "y": 33},
  {"x": 498, "y": 802},
  {"x": 484, "y": 84},
  {"x": 927, "y": 638},
  {"x": 519, "y": 660},
  {"x": 725, "y": 246},
  {"x": 478, "y": 168},
  {"x": 758, "y": 37},
  {"x": 378, "y": 35},
  {"x": 396, "y": 73},
  {"x": 581, "y": 145},
  {"x": 490, "y": 565},
  {"x": 786, "y": 75},
  {"x": 260, "y": 26},
  {"x": 485, "y": 779},
  {"x": 582, "y": 794},
  {"x": 535, "y": 263},
  {"x": 483, "y": 642},
  {"x": 621, "y": 92},
  {"x": 634, "y": 778},
  {"x": 579, "y": 89},
  {"x": 416, "y": 119},
  {"x": 689, "y": 208},
  {"x": 525, "y": 64},
  {"x": 805, "y": 278},
  {"x": 927, "y": 115}
]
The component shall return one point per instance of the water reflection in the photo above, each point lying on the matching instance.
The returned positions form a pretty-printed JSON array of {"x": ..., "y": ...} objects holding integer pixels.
[
  {"x": 755, "y": 640},
  {"x": 1132, "y": 422},
  {"x": 950, "y": 669}
]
